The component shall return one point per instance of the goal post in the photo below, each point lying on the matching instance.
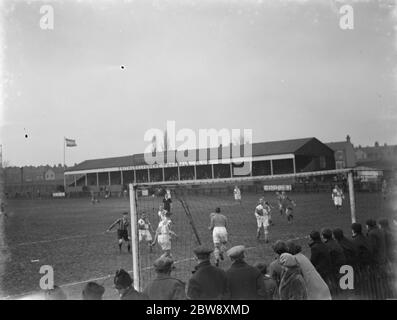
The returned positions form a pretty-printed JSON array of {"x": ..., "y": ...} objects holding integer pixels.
[
  {"x": 351, "y": 196},
  {"x": 134, "y": 237},
  {"x": 193, "y": 201}
]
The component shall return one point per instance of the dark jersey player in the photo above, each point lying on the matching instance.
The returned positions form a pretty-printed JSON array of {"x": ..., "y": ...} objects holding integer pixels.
[
  {"x": 167, "y": 204},
  {"x": 286, "y": 206},
  {"x": 122, "y": 230}
]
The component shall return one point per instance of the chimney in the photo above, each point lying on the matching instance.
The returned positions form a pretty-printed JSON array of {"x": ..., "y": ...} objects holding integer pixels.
[
  {"x": 376, "y": 144},
  {"x": 348, "y": 138}
]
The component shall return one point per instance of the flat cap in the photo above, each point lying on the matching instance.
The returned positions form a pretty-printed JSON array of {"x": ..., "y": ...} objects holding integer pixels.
[
  {"x": 122, "y": 279},
  {"x": 93, "y": 291},
  {"x": 202, "y": 250},
  {"x": 163, "y": 263},
  {"x": 235, "y": 251}
]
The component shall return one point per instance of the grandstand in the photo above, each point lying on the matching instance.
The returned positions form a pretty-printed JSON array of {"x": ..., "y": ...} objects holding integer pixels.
[{"x": 268, "y": 158}]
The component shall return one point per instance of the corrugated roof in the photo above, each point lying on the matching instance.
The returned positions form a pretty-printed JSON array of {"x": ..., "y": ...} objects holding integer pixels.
[
  {"x": 258, "y": 149},
  {"x": 339, "y": 145},
  {"x": 103, "y": 163}
]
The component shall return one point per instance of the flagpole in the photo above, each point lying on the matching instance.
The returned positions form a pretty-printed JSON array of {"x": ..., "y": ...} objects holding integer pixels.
[{"x": 64, "y": 168}]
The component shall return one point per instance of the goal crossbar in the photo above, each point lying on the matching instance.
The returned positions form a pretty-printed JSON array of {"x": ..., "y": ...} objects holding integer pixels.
[{"x": 246, "y": 179}]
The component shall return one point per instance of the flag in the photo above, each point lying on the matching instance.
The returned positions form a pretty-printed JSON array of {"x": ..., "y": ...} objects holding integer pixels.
[{"x": 70, "y": 142}]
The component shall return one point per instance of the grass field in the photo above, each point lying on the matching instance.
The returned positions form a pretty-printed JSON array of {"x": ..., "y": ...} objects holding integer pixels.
[{"x": 69, "y": 235}]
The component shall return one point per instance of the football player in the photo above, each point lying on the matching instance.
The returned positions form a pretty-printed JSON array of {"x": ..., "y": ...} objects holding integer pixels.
[
  {"x": 337, "y": 197},
  {"x": 122, "y": 230},
  {"x": 262, "y": 219}
]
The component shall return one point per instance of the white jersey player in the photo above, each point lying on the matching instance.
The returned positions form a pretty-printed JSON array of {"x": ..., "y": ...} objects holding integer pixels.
[
  {"x": 144, "y": 228},
  {"x": 237, "y": 194},
  {"x": 262, "y": 219},
  {"x": 163, "y": 236},
  {"x": 162, "y": 213},
  {"x": 337, "y": 197},
  {"x": 219, "y": 234}
]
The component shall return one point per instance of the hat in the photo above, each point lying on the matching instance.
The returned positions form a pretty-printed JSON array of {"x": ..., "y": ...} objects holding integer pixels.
[
  {"x": 163, "y": 264},
  {"x": 56, "y": 293},
  {"x": 338, "y": 233},
  {"x": 356, "y": 227},
  {"x": 326, "y": 233},
  {"x": 261, "y": 266},
  {"x": 371, "y": 223},
  {"x": 280, "y": 247},
  {"x": 288, "y": 260},
  {"x": 122, "y": 279},
  {"x": 235, "y": 252},
  {"x": 93, "y": 291},
  {"x": 293, "y": 247},
  {"x": 202, "y": 251},
  {"x": 315, "y": 235}
]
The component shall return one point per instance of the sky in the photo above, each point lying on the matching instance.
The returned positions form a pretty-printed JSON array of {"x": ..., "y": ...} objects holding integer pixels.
[{"x": 284, "y": 69}]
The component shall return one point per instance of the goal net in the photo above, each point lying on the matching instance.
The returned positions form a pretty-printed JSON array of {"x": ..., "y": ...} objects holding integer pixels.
[{"x": 194, "y": 201}]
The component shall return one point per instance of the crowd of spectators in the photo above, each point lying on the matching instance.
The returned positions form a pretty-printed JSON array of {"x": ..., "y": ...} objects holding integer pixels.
[{"x": 370, "y": 255}]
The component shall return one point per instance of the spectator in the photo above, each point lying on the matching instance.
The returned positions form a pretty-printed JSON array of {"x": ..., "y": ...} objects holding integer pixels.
[
  {"x": 316, "y": 287},
  {"x": 275, "y": 268},
  {"x": 55, "y": 293},
  {"x": 376, "y": 238},
  {"x": 320, "y": 257},
  {"x": 207, "y": 282},
  {"x": 270, "y": 283},
  {"x": 292, "y": 285},
  {"x": 364, "y": 256},
  {"x": 124, "y": 285},
  {"x": 245, "y": 282},
  {"x": 364, "y": 261},
  {"x": 93, "y": 291},
  {"x": 335, "y": 250},
  {"x": 390, "y": 241},
  {"x": 165, "y": 287},
  {"x": 337, "y": 260},
  {"x": 349, "y": 249}
]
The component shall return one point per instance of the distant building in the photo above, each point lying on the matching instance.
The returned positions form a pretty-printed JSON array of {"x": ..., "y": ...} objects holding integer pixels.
[
  {"x": 382, "y": 157},
  {"x": 28, "y": 180},
  {"x": 49, "y": 175},
  {"x": 344, "y": 153}
]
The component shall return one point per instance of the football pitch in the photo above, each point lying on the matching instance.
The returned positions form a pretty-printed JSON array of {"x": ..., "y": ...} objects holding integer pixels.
[{"x": 70, "y": 235}]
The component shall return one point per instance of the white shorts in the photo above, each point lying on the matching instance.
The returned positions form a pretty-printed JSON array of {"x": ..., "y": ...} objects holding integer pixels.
[
  {"x": 262, "y": 221},
  {"x": 237, "y": 197},
  {"x": 144, "y": 235},
  {"x": 338, "y": 201},
  {"x": 164, "y": 241},
  {"x": 219, "y": 235}
]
